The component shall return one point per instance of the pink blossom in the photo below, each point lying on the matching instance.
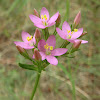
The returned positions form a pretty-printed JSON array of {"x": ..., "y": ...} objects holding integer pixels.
[
  {"x": 44, "y": 20},
  {"x": 28, "y": 41},
  {"x": 48, "y": 52},
  {"x": 69, "y": 35}
]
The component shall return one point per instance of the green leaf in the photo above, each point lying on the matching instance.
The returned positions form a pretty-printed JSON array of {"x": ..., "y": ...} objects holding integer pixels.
[{"x": 26, "y": 66}]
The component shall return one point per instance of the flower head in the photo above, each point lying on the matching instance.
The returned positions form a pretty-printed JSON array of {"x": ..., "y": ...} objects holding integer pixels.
[
  {"x": 48, "y": 52},
  {"x": 44, "y": 20},
  {"x": 69, "y": 35},
  {"x": 28, "y": 41}
]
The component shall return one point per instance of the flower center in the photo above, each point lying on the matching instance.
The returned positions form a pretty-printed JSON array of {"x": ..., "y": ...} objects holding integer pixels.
[
  {"x": 31, "y": 44},
  {"x": 29, "y": 38},
  {"x": 44, "y": 23},
  {"x": 69, "y": 35},
  {"x": 44, "y": 17},
  {"x": 48, "y": 47}
]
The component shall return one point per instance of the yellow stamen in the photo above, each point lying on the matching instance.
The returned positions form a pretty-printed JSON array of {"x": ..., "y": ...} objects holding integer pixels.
[
  {"x": 51, "y": 47},
  {"x": 45, "y": 17},
  {"x": 69, "y": 36},
  {"x": 46, "y": 46},
  {"x": 29, "y": 38},
  {"x": 42, "y": 16},
  {"x": 68, "y": 31},
  {"x": 75, "y": 30},
  {"x": 72, "y": 32}
]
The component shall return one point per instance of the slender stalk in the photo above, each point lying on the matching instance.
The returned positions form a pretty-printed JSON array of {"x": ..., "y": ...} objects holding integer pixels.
[
  {"x": 65, "y": 43},
  {"x": 55, "y": 32},
  {"x": 46, "y": 33},
  {"x": 36, "y": 84}
]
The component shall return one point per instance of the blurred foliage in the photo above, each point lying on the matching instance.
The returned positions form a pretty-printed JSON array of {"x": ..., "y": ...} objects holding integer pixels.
[{"x": 17, "y": 84}]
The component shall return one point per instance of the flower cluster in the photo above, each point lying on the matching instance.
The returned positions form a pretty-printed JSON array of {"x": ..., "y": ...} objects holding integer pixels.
[{"x": 43, "y": 44}]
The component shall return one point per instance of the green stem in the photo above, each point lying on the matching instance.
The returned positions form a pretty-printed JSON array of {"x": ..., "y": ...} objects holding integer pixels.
[
  {"x": 36, "y": 84},
  {"x": 65, "y": 43},
  {"x": 55, "y": 32}
]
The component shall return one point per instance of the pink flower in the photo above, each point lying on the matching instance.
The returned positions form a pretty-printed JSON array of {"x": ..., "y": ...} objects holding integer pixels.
[
  {"x": 48, "y": 52},
  {"x": 28, "y": 41},
  {"x": 44, "y": 20},
  {"x": 69, "y": 35}
]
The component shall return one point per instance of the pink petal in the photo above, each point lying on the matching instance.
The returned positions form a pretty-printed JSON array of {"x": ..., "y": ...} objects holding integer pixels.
[
  {"x": 59, "y": 51},
  {"x": 33, "y": 57},
  {"x": 83, "y": 41},
  {"x": 77, "y": 34},
  {"x": 51, "y": 24},
  {"x": 65, "y": 27},
  {"x": 34, "y": 40},
  {"x": 41, "y": 45},
  {"x": 44, "y": 11},
  {"x": 43, "y": 55},
  {"x": 35, "y": 19},
  {"x": 71, "y": 40},
  {"x": 51, "y": 41},
  {"x": 40, "y": 25},
  {"x": 52, "y": 60},
  {"x": 61, "y": 33},
  {"x": 53, "y": 18},
  {"x": 24, "y": 45},
  {"x": 24, "y": 36}
]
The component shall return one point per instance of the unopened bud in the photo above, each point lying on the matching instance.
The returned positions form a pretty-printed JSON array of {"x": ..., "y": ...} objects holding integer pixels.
[
  {"x": 20, "y": 49},
  {"x": 37, "y": 55},
  {"x": 37, "y": 34},
  {"x": 36, "y": 13},
  {"x": 84, "y": 33},
  {"x": 77, "y": 18},
  {"x": 77, "y": 44},
  {"x": 58, "y": 21}
]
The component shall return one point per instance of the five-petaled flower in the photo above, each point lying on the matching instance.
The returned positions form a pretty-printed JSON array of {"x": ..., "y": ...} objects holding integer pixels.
[
  {"x": 48, "y": 52},
  {"x": 44, "y": 20},
  {"x": 69, "y": 35},
  {"x": 28, "y": 41}
]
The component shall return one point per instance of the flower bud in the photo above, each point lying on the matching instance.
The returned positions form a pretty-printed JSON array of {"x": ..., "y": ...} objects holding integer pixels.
[
  {"x": 84, "y": 33},
  {"x": 36, "y": 13},
  {"x": 20, "y": 49},
  {"x": 37, "y": 34},
  {"x": 37, "y": 55},
  {"x": 77, "y": 18},
  {"x": 77, "y": 44},
  {"x": 58, "y": 21}
]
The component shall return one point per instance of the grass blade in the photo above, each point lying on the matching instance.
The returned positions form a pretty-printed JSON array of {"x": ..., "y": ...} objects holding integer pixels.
[
  {"x": 71, "y": 79},
  {"x": 66, "y": 17}
]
